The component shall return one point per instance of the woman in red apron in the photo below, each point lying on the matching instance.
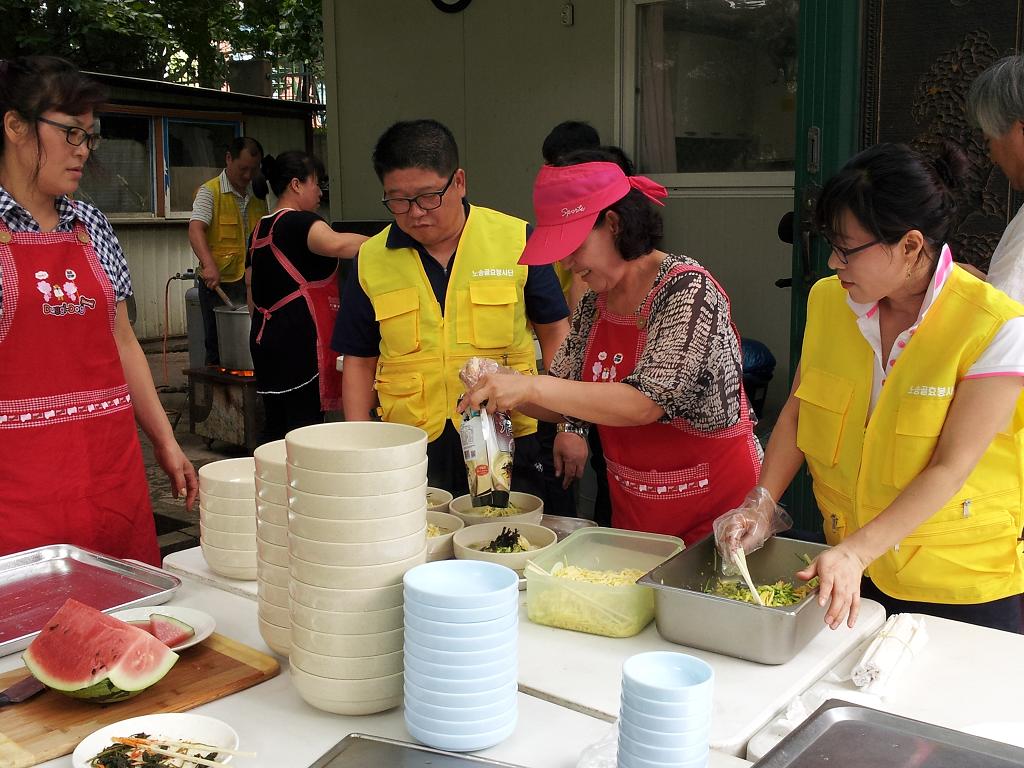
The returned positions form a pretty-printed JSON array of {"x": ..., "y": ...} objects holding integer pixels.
[
  {"x": 291, "y": 272},
  {"x": 652, "y": 359},
  {"x": 73, "y": 379}
]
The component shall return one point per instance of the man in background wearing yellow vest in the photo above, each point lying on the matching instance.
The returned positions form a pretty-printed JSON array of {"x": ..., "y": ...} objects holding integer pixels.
[
  {"x": 438, "y": 286},
  {"x": 224, "y": 213}
]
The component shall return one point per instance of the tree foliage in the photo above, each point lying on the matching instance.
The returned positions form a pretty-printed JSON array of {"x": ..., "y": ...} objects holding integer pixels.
[{"x": 187, "y": 41}]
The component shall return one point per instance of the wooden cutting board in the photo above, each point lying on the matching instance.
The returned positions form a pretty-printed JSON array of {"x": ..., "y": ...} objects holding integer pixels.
[{"x": 51, "y": 724}]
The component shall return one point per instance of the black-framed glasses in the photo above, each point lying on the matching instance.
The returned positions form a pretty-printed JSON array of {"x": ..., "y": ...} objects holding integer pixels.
[
  {"x": 75, "y": 136},
  {"x": 844, "y": 254},
  {"x": 428, "y": 201}
]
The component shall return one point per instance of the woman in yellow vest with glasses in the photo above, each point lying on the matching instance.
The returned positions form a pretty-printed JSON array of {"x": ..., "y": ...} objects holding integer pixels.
[{"x": 906, "y": 407}]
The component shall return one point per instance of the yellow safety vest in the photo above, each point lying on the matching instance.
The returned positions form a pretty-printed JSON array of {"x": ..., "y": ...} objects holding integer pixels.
[
  {"x": 968, "y": 551},
  {"x": 226, "y": 236},
  {"x": 421, "y": 351}
]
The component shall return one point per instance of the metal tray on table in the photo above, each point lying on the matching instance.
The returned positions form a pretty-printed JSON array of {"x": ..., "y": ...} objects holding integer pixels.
[
  {"x": 842, "y": 735},
  {"x": 36, "y": 582},
  {"x": 358, "y": 750}
]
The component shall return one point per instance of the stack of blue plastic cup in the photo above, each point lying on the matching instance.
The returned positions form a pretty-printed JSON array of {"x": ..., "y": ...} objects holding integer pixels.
[
  {"x": 665, "y": 719},
  {"x": 461, "y": 641}
]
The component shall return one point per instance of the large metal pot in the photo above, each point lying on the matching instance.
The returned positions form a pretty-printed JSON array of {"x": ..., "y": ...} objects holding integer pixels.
[{"x": 233, "y": 337}]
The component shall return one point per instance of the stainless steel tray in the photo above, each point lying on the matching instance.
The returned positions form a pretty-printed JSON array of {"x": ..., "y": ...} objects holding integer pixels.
[
  {"x": 36, "y": 582},
  {"x": 686, "y": 615},
  {"x": 841, "y": 735},
  {"x": 357, "y": 750}
]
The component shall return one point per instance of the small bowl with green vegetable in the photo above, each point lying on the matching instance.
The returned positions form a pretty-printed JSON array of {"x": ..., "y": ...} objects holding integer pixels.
[{"x": 502, "y": 542}]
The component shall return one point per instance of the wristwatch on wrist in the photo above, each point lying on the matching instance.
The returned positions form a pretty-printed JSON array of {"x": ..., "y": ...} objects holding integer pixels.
[{"x": 576, "y": 429}]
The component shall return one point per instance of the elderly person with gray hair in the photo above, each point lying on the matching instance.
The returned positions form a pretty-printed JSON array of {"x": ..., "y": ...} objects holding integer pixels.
[{"x": 995, "y": 104}]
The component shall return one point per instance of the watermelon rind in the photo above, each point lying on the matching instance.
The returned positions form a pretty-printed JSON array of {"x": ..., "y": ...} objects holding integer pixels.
[
  {"x": 85, "y": 654},
  {"x": 169, "y": 630}
]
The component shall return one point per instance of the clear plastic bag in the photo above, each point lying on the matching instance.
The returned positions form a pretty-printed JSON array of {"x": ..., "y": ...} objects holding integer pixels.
[
  {"x": 603, "y": 753},
  {"x": 750, "y": 525},
  {"x": 487, "y": 443}
]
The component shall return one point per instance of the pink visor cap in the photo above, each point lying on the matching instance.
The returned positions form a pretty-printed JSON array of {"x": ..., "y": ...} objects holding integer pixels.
[{"x": 567, "y": 201}]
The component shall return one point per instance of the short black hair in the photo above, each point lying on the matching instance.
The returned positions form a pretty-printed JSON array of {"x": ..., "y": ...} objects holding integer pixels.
[
  {"x": 641, "y": 228},
  {"x": 568, "y": 137},
  {"x": 425, "y": 144},
  {"x": 247, "y": 143}
]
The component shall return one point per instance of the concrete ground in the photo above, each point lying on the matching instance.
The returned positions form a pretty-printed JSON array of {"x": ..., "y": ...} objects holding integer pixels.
[{"x": 177, "y": 528}]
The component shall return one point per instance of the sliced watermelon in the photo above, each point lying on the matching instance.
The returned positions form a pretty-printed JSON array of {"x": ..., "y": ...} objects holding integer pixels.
[
  {"x": 169, "y": 630},
  {"x": 86, "y": 654}
]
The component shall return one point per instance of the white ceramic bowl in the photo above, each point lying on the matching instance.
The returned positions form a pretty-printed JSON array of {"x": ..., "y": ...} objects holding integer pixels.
[
  {"x": 459, "y": 700},
  {"x": 505, "y": 653},
  {"x": 276, "y": 493},
  {"x": 665, "y": 739},
  {"x": 272, "y": 593},
  {"x": 440, "y": 547},
  {"x": 532, "y": 510},
  {"x": 245, "y": 542},
  {"x": 476, "y": 741},
  {"x": 356, "y": 446},
  {"x": 664, "y": 708},
  {"x": 462, "y": 584},
  {"x": 347, "y": 646},
  {"x": 351, "y": 708},
  {"x": 369, "y": 553},
  {"x": 228, "y": 507},
  {"x": 354, "y": 576},
  {"x": 438, "y": 499},
  {"x": 495, "y": 706},
  {"x": 357, "y": 483},
  {"x": 668, "y": 676},
  {"x": 461, "y": 686},
  {"x": 356, "y": 507},
  {"x": 626, "y": 759},
  {"x": 337, "y": 689},
  {"x": 272, "y": 513},
  {"x": 347, "y": 623},
  {"x": 452, "y": 672},
  {"x": 217, "y": 557},
  {"x": 272, "y": 553},
  {"x": 444, "y": 642},
  {"x": 274, "y": 614},
  {"x": 230, "y": 478},
  {"x": 663, "y": 755},
  {"x": 467, "y": 542},
  {"x": 228, "y": 523},
  {"x": 461, "y": 727},
  {"x": 470, "y": 616},
  {"x": 237, "y": 572},
  {"x": 345, "y": 600},
  {"x": 276, "y": 575},
  {"x": 462, "y": 631},
  {"x": 278, "y": 639},
  {"x": 349, "y": 668},
  {"x": 272, "y": 534},
  {"x": 673, "y": 731},
  {"x": 269, "y": 460},
  {"x": 356, "y": 531}
]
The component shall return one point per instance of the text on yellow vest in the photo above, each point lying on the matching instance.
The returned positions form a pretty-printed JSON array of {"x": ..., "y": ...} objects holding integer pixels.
[{"x": 226, "y": 234}]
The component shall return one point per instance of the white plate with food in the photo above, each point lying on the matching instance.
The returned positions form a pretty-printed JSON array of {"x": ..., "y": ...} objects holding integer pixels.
[
  {"x": 171, "y": 624},
  {"x": 168, "y": 735}
]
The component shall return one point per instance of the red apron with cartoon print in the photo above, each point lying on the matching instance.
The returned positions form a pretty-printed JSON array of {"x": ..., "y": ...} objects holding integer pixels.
[
  {"x": 666, "y": 477},
  {"x": 322, "y": 300},
  {"x": 72, "y": 470}
]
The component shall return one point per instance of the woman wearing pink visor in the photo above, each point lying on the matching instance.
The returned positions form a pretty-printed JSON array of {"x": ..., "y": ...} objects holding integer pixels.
[{"x": 652, "y": 358}]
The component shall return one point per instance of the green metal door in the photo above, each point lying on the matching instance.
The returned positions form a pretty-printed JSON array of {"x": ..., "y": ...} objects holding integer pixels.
[{"x": 828, "y": 130}]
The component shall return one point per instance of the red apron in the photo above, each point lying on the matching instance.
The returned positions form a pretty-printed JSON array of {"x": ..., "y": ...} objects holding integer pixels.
[
  {"x": 666, "y": 477},
  {"x": 72, "y": 464},
  {"x": 322, "y": 300}
]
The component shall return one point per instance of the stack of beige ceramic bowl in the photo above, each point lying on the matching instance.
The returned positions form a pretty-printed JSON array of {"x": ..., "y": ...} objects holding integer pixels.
[
  {"x": 272, "y": 546},
  {"x": 356, "y": 524},
  {"x": 227, "y": 517}
]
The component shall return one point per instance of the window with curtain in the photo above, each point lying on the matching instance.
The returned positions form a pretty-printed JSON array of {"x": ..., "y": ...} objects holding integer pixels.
[
  {"x": 195, "y": 154},
  {"x": 716, "y": 85},
  {"x": 118, "y": 178}
]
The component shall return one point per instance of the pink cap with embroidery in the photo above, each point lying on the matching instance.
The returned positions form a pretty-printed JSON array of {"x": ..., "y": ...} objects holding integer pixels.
[{"x": 567, "y": 201}]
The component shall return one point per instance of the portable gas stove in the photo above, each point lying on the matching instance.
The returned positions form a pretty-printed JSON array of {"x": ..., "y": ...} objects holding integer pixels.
[{"x": 223, "y": 405}]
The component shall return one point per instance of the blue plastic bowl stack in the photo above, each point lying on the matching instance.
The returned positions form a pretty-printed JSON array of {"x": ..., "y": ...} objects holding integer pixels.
[
  {"x": 461, "y": 640},
  {"x": 665, "y": 718}
]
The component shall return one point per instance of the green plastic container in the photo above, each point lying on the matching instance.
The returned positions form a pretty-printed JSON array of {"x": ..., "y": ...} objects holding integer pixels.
[{"x": 600, "y": 609}]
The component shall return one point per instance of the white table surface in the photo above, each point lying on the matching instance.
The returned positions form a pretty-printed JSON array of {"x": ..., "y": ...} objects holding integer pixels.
[
  {"x": 191, "y": 563},
  {"x": 285, "y": 732}
]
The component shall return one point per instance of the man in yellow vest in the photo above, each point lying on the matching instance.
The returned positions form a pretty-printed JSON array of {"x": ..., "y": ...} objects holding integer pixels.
[
  {"x": 438, "y": 286},
  {"x": 224, "y": 213}
]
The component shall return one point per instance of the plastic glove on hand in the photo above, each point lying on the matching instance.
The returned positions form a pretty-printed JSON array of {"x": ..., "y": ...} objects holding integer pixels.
[{"x": 750, "y": 525}]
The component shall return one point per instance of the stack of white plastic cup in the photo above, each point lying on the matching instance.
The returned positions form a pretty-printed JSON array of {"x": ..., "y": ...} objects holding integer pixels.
[
  {"x": 227, "y": 517},
  {"x": 665, "y": 719},
  {"x": 461, "y": 640}
]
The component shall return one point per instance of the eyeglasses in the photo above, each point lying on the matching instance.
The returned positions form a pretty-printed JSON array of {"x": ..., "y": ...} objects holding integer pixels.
[
  {"x": 428, "y": 201},
  {"x": 844, "y": 254},
  {"x": 75, "y": 136}
]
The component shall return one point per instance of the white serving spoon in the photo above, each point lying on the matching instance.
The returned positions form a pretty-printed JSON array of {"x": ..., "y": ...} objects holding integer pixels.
[{"x": 740, "y": 558}]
